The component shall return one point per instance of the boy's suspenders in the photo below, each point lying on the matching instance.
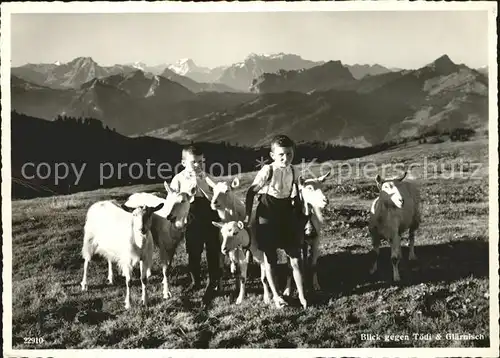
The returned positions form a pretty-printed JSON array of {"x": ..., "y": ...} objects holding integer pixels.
[{"x": 270, "y": 175}]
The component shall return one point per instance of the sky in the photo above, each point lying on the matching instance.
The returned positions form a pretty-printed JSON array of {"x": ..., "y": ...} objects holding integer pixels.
[{"x": 390, "y": 38}]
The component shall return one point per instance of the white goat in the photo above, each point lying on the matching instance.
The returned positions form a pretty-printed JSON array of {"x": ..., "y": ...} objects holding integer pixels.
[
  {"x": 231, "y": 210},
  {"x": 120, "y": 237},
  {"x": 237, "y": 243},
  {"x": 396, "y": 210},
  {"x": 313, "y": 201},
  {"x": 224, "y": 201},
  {"x": 228, "y": 206},
  {"x": 168, "y": 225}
]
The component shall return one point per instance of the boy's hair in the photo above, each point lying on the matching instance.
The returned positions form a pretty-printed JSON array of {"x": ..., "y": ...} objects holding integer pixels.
[
  {"x": 282, "y": 140},
  {"x": 192, "y": 149}
]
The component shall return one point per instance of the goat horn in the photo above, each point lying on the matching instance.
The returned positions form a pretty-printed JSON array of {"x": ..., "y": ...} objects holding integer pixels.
[{"x": 402, "y": 176}]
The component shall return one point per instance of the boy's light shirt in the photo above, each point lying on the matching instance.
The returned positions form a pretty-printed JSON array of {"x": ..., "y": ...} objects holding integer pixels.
[
  {"x": 280, "y": 184},
  {"x": 185, "y": 180}
]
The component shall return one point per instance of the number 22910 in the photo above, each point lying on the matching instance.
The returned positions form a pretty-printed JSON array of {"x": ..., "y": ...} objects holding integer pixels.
[{"x": 33, "y": 340}]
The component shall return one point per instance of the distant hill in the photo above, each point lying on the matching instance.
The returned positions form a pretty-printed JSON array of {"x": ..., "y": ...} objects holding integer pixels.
[
  {"x": 361, "y": 71},
  {"x": 331, "y": 75},
  {"x": 318, "y": 101},
  {"x": 365, "y": 112},
  {"x": 195, "y": 86},
  {"x": 84, "y": 141},
  {"x": 131, "y": 103},
  {"x": 240, "y": 75},
  {"x": 37, "y": 100},
  {"x": 69, "y": 75},
  {"x": 84, "y": 69}
]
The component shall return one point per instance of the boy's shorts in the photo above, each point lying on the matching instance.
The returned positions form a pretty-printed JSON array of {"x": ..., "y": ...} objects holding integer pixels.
[
  {"x": 200, "y": 218},
  {"x": 277, "y": 226}
]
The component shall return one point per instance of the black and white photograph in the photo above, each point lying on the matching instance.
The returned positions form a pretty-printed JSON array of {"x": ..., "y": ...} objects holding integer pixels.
[{"x": 307, "y": 178}]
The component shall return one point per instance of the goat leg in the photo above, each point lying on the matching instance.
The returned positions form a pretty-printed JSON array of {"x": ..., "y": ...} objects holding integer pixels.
[
  {"x": 126, "y": 273},
  {"x": 375, "y": 252},
  {"x": 144, "y": 280},
  {"x": 110, "y": 272},
  {"x": 396, "y": 256},
  {"x": 314, "y": 260},
  {"x": 84, "y": 279},
  {"x": 242, "y": 280},
  {"x": 411, "y": 238}
]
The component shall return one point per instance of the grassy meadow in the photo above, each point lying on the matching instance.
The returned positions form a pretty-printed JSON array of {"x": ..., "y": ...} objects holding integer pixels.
[{"x": 445, "y": 291}]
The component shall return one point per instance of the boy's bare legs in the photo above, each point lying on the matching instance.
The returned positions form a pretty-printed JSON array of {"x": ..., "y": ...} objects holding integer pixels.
[
  {"x": 297, "y": 276},
  {"x": 270, "y": 264}
]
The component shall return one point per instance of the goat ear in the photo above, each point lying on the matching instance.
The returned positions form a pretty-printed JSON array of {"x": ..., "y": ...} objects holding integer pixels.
[
  {"x": 127, "y": 208},
  {"x": 217, "y": 224},
  {"x": 235, "y": 183},
  {"x": 240, "y": 225},
  {"x": 167, "y": 187},
  {"x": 378, "y": 179},
  {"x": 157, "y": 207},
  {"x": 301, "y": 180}
]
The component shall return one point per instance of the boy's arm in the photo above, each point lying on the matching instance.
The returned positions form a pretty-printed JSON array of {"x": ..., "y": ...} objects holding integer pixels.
[
  {"x": 249, "y": 202},
  {"x": 258, "y": 183}
]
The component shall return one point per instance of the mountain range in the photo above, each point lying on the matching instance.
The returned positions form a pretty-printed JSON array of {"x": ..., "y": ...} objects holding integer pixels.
[
  {"x": 233, "y": 78},
  {"x": 264, "y": 94},
  {"x": 326, "y": 103}
]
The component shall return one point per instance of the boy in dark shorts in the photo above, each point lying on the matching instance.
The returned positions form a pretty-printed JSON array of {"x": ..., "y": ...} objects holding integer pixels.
[
  {"x": 199, "y": 231},
  {"x": 277, "y": 223}
]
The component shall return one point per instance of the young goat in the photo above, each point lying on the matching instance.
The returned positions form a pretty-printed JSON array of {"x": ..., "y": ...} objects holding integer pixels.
[
  {"x": 237, "y": 243},
  {"x": 313, "y": 201},
  {"x": 396, "y": 210},
  {"x": 120, "y": 237},
  {"x": 228, "y": 206},
  {"x": 168, "y": 225}
]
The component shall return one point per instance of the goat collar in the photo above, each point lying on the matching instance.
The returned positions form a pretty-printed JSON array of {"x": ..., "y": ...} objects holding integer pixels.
[{"x": 246, "y": 248}]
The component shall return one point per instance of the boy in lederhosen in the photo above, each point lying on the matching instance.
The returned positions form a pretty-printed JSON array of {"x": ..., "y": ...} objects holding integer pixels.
[
  {"x": 276, "y": 218},
  {"x": 199, "y": 230}
]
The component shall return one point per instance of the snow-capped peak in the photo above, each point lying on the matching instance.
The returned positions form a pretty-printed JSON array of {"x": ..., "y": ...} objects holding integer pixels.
[
  {"x": 138, "y": 65},
  {"x": 266, "y": 55},
  {"x": 186, "y": 65},
  {"x": 182, "y": 66},
  {"x": 57, "y": 63}
]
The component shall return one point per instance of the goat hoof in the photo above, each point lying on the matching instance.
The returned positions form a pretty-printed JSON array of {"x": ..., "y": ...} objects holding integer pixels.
[
  {"x": 84, "y": 286},
  {"x": 127, "y": 306},
  {"x": 239, "y": 301},
  {"x": 167, "y": 295},
  {"x": 287, "y": 292},
  {"x": 110, "y": 281},
  {"x": 316, "y": 286},
  {"x": 413, "y": 257},
  {"x": 267, "y": 300}
]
